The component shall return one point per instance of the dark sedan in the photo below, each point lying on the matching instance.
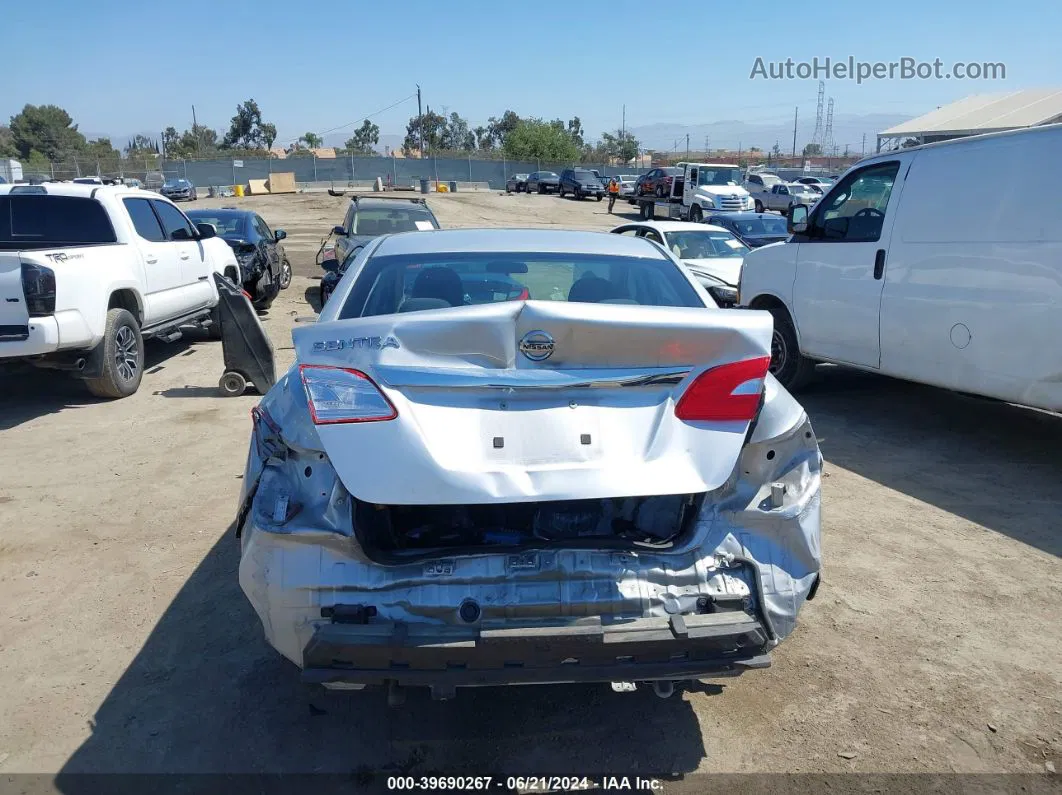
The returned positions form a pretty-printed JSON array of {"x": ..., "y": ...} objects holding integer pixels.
[
  {"x": 178, "y": 190},
  {"x": 264, "y": 267},
  {"x": 658, "y": 181},
  {"x": 516, "y": 183},
  {"x": 543, "y": 182},
  {"x": 753, "y": 229}
]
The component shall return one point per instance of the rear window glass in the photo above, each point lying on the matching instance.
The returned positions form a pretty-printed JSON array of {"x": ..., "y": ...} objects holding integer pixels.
[
  {"x": 439, "y": 281},
  {"x": 377, "y": 221},
  {"x": 43, "y": 221},
  {"x": 226, "y": 223}
]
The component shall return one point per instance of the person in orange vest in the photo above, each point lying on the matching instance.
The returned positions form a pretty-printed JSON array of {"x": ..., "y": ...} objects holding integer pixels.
[{"x": 613, "y": 192}]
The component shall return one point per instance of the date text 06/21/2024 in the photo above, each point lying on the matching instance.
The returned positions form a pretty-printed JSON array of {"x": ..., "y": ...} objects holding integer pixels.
[{"x": 523, "y": 783}]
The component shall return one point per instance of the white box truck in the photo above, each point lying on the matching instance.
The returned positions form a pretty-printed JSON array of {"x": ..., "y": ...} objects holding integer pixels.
[{"x": 10, "y": 171}]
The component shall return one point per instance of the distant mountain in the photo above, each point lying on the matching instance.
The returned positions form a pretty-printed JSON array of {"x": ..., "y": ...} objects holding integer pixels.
[{"x": 848, "y": 129}]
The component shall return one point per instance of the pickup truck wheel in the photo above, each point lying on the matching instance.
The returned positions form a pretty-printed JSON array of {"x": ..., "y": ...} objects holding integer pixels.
[
  {"x": 759, "y": 206},
  {"x": 788, "y": 364},
  {"x": 285, "y": 274},
  {"x": 121, "y": 353},
  {"x": 696, "y": 216}
]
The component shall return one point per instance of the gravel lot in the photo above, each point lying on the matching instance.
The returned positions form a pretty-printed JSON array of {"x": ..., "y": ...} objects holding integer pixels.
[{"x": 935, "y": 643}]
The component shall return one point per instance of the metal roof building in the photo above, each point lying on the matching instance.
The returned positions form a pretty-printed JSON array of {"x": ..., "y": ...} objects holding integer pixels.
[{"x": 982, "y": 113}]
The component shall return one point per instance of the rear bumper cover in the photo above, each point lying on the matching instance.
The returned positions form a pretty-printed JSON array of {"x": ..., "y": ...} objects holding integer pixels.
[{"x": 680, "y": 647}]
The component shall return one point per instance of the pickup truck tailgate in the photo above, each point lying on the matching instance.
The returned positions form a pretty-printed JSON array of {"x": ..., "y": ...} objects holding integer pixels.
[{"x": 14, "y": 317}]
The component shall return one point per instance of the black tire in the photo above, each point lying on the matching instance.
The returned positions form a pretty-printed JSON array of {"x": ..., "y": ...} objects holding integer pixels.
[
  {"x": 267, "y": 300},
  {"x": 788, "y": 364},
  {"x": 542, "y": 189},
  {"x": 660, "y": 191},
  {"x": 285, "y": 274},
  {"x": 759, "y": 206},
  {"x": 232, "y": 384},
  {"x": 560, "y": 192},
  {"x": 121, "y": 357},
  {"x": 600, "y": 197},
  {"x": 696, "y": 216}
]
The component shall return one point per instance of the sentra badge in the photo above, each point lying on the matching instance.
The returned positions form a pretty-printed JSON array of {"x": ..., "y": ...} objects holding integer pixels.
[{"x": 372, "y": 343}]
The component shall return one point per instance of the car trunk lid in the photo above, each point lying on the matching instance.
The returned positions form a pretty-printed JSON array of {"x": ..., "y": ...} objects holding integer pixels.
[{"x": 484, "y": 415}]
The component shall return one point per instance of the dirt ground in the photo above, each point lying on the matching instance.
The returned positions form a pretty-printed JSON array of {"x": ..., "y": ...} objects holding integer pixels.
[{"x": 934, "y": 645}]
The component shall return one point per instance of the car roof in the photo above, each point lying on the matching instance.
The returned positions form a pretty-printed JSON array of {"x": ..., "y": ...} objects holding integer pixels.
[
  {"x": 394, "y": 204},
  {"x": 678, "y": 226},
  {"x": 81, "y": 189},
  {"x": 547, "y": 241},
  {"x": 220, "y": 212}
]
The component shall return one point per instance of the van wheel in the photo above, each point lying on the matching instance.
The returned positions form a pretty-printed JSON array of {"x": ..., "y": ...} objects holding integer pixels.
[
  {"x": 121, "y": 353},
  {"x": 788, "y": 364}
]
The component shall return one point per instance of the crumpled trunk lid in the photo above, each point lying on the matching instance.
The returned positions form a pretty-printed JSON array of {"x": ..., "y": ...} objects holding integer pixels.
[{"x": 480, "y": 421}]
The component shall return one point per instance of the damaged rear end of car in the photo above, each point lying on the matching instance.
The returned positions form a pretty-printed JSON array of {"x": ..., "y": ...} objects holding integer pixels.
[{"x": 432, "y": 499}]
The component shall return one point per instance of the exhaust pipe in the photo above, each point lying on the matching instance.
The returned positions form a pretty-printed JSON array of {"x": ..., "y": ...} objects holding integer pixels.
[
  {"x": 76, "y": 365},
  {"x": 664, "y": 688}
]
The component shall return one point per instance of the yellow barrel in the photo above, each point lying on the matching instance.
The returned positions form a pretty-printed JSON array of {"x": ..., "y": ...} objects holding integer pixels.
[{"x": 238, "y": 189}]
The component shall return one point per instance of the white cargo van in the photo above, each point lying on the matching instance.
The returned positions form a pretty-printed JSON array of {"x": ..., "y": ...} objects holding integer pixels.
[{"x": 917, "y": 266}]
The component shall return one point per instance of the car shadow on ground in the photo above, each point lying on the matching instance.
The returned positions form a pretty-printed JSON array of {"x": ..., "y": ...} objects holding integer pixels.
[
  {"x": 989, "y": 462},
  {"x": 313, "y": 297},
  {"x": 29, "y": 392},
  {"x": 206, "y": 694}
]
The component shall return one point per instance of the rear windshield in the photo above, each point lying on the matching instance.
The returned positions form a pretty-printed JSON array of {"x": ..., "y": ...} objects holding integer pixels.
[
  {"x": 388, "y": 220},
  {"x": 30, "y": 221},
  {"x": 580, "y": 174},
  {"x": 439, "y": 281},
  {"x": 761, "y": 226},
  {"x": 227, "y": 224}
]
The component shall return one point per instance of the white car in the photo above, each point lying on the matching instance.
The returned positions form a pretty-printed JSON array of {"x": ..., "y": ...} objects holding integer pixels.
[
  {"x": 88, "y": 272},
  {"x": 905, "y": 267},
  {"x": 591, "y": 478},
  {"x": 713, "y": 254}
]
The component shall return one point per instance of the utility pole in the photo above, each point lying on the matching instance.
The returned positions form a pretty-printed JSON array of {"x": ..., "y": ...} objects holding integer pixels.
[
  {"x": 195, "y": 129},
  {"x": 863, "y": 149},
  {"x": 707, "y": 145},
  {"x": 420, "y": 122},
  {"x": 687, "y": 147},
  {"x": 796, "y": 112},
  {"x": 623, "y": 126}
]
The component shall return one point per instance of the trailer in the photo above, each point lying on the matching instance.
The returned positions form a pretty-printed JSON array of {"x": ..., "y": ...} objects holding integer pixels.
[
  {"x": 702, "y": 189},
  {"x": 10, "y": 171}
]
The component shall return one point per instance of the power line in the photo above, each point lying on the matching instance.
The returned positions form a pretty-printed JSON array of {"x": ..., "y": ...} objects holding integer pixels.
[{"x": 364, "y": 118}]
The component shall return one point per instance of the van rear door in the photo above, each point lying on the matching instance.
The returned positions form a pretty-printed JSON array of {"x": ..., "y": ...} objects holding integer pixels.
[{"x": 841, "y": 265}]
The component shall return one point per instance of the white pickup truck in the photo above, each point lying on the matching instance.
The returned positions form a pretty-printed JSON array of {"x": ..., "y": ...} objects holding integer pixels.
[
  {"x": 87, "y": 273},
  {"x": 781, "y": 196},
  {"x": 703, "y": 188}
]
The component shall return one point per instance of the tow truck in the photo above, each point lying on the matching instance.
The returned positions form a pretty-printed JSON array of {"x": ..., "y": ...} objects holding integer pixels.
[{"x": 702, "y": 189}]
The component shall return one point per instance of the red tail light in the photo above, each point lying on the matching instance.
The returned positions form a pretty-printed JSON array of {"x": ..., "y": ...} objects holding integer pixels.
[
  {"x": 711, "y": 397},
  {"x": 524, "y": 295},
  {"x": 338, "y": 395}
]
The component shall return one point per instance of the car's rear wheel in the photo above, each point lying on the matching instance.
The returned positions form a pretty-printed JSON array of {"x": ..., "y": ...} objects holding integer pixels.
[
  {"x": 600, "y": 197},
  {"x": 788, "y": 364},
  {"x": 541, "y": 189},
  {"x": 759, "y": 206},
  {"x": 560, "y": 191},
  {"x": 121, "y": 353},
  {"x": 660, "y": 191}
]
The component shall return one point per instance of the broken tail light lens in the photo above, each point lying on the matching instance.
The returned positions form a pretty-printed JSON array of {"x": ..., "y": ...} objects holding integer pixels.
[
  {"x": 338, "y": 395},
  {"x": 729, "y": 392}
]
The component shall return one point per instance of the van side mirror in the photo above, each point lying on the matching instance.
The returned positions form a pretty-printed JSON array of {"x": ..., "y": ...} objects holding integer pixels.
[{"x": 797, "y": 219}]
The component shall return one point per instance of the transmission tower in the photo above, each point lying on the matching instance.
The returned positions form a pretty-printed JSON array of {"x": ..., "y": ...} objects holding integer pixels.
[
  {"x": 816, "y": 137},
  {"x": 827, "y": 142}
]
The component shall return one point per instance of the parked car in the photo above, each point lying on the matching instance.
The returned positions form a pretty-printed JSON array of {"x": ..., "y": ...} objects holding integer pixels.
[
  {"x": 419, "y": 508},
  {"x": 88, "y": 272},
  {"x": 627, "y": 183},
  {"x": 883, "y": 274},
  {"x": 658, "y": 181},
  {"x": 516, "y": 183},
  {"x": 819, "y": 182},
  {"x": 543, "y": 182},
  {"x": 712, "y": 253},
  {"x": 178, "y": 190},
  {"x": 264, "y": 269},
  {"x": 368, "y": 217},
  {"x": 761, "y": 182},
  {"x": 783, "y": 196},
  {"x": 580, "y": 183},
  {"x": 752, "y": 229}
]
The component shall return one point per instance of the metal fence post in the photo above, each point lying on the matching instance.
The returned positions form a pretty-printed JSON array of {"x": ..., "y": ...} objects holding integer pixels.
[
  {"x": 185, "y": 164},
  {"x": 469, "y": 166},
  {"x": 315, "y": 167},
  {"x": 394, "y": 168},
  {"x": 233, "y": 173},
  {"x": 352, "y": 167}
]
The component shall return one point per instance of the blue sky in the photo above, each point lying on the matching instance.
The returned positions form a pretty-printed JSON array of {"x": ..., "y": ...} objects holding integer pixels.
[{"x": 122, "y": 67}]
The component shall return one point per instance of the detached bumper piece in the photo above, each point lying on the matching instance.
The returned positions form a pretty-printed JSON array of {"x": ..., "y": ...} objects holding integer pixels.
[{"x": 584, "y": 650}]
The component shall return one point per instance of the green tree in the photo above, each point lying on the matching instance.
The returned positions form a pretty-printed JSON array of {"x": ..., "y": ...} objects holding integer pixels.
[
  {"x": 812, "y": 150},
  {"x": 268, "y": 132},
  {"x": 537, "y": 139},
  {"x": 101, "y": 148},
  {"x": 364, "y": 139},
  {"x": 621, "y": 146},
  {"x": 139, "y": 145},
  {"x": 433, "y": 125},
  {"x": 312, "y": 140},
  {"x": 484, "y": 142},
  {"x": 247, "y": 129},
  {"x": 575, "y": 130},
  {"x": 501, "y": 128},
  {"x": 456, "y": 134},
  {"x": 171, "y": 140},
  {"x": 7, "y": 142},
  {"x": 776, "y": 150},
  {"x": 46, "y": 129}
]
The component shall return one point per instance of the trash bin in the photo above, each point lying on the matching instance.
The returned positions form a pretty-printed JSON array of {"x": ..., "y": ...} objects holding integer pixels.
[
  {"x": 237, "y": 190},
  {"x": 453, "y": 186},
  {"x": 423, "y": 184},
  {"x": 245, "y": 346}
]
